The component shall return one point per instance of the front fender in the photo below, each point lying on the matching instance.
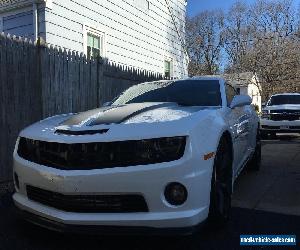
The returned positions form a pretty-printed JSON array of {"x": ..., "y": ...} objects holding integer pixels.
[{"x": 205, "y": 137}]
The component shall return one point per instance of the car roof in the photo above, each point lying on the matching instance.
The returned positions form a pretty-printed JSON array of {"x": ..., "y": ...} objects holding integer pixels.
[
  {"x": 217, "y": 78},
  {"x": 286, "y": 94},
  {"x": 195, "y": 78}
]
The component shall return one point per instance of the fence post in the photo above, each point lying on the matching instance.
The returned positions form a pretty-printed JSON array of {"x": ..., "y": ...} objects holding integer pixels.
[
  {"x": 100, "y": 80},
  {"x": 39, "y": 78}
]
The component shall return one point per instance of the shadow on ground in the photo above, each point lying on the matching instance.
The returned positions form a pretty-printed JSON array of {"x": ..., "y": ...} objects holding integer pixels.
[
  {"x": 283, "y": 139},
  {"x": 16, "y": 234}
]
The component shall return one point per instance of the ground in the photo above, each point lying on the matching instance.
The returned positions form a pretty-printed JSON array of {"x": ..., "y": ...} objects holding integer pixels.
[{"x": 266, "y": 202}]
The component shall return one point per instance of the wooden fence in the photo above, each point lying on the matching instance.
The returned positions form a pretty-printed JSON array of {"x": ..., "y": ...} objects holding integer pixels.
[{"x": 37, "y": 82}]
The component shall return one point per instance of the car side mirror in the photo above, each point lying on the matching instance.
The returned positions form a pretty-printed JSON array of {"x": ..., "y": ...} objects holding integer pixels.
[
  {"x": 106, "y": 104},
  {"x": 240, "y": 101},
  {"x": 263, "y": 104}
]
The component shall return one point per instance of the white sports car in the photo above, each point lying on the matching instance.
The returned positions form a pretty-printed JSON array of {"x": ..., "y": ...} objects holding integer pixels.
[{"x": 162, "y": 155}]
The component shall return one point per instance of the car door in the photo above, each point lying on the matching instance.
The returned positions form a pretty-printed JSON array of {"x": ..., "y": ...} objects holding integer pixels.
[
  {"x": 238, "y": 120},
  {"x": 252, "y": 129}
]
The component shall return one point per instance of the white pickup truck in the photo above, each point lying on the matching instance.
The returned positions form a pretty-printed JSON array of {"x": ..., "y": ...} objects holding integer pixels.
[{"x": 281, "y": 114}]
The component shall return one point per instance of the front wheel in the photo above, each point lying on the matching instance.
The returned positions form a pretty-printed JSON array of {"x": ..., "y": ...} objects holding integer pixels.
[{"x": 221, "y": 185}]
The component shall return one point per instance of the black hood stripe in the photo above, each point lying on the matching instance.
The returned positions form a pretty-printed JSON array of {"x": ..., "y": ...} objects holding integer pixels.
[
  {"x": 82, "y": 116},
  {"x": 113, "y": 114}
]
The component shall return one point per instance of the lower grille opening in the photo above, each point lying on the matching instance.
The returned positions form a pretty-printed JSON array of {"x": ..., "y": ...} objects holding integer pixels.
[{"x": 129, "y": 203}]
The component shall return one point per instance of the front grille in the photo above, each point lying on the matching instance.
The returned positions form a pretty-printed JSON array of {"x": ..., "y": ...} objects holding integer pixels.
[
  {"x": 295, "y": 127},
  {"x": 99, "y": 155},
  {"x": 285, "y": 115},
  {"x": 88, "y": 203},
  {"x": 289, "y": 111},
  {"x": 270, "y": 127}
]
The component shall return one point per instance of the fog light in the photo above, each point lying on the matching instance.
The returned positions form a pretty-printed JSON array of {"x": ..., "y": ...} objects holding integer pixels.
[
  {"x": 17, "y": 183},
  {"x": 176, "y": 194}
]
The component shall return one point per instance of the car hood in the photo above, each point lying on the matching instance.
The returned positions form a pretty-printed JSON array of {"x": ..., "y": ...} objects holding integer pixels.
[
  {"x": 120, "y": 122},
  {"x": 283, "y": 107}
]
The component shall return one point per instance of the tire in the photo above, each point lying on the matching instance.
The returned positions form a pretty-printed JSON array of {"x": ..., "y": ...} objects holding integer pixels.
[
  {"x": 255, "y": 162},
  {"x": 221, "y": 185}
]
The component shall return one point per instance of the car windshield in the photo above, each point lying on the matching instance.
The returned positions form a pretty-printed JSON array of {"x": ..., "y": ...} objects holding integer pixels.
[
  {"x": 185, "y": 92},
  {"x": 284, "y": 99}
]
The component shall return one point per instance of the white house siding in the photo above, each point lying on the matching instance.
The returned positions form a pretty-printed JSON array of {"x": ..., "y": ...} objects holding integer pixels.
[
  {"x": 134, "y": 35},
  {"x": 253, "y": 91},
  {"x": 20, "y": 22}
]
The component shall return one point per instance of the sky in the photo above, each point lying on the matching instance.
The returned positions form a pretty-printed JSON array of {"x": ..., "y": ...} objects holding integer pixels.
[{"x": 196, "y": 6}]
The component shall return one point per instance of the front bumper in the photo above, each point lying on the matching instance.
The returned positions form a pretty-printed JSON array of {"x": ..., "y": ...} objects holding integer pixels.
[
  {"x": 149, "y": 181},
  {"x": 104, "y": 230},
  {"x": 280, "y": 126}
]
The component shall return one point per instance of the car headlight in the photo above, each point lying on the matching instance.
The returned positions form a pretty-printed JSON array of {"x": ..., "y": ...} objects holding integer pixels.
[
  {"x": 161, "y": 149},
  {"x": 265, "y": 114}
]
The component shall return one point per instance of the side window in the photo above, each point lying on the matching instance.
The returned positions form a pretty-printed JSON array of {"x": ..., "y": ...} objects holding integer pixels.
[
  {"x": 94, "y": 42},
  {"x": 230, "y": 93},
  {"x": 168, "y": 69},
  {"x": 94, "y": 45}
]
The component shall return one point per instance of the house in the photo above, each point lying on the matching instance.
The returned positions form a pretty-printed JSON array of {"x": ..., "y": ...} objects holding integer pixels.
[
  {"x": 246, "y": 84},
  {"x": 144, "y": 34}
]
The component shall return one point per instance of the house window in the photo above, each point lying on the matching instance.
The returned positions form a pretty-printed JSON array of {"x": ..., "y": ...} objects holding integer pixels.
[
  {"x": 168, "y": 69},
  {"x": 94, "y": 45}
]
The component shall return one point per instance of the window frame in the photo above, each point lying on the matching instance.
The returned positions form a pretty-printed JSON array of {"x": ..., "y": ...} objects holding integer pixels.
[
  {"x": 93, "y": 47},
  {"x": 171, "y": 61},
  {"x": 94, "y": 31}
]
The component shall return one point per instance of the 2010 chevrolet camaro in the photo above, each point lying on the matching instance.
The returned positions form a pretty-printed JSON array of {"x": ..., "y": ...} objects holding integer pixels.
[{"x": 162, "y": 155}]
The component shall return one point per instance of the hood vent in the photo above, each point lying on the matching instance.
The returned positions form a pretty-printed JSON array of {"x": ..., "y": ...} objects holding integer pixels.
[{"x": 83, "y": 132}]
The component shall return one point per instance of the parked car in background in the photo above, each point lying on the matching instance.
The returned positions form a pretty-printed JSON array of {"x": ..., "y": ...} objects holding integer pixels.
[
  {"x": 281, "y": 114},
  {"x": 162, "y": 155}
]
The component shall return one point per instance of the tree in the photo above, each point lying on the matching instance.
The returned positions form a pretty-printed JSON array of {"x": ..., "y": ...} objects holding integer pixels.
[
  {"x": 237, "y": 33},
  {"x": 204, "y": 35},
  {"x": 262, "y": 38},
  {"x": 270, "y": 49}
]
